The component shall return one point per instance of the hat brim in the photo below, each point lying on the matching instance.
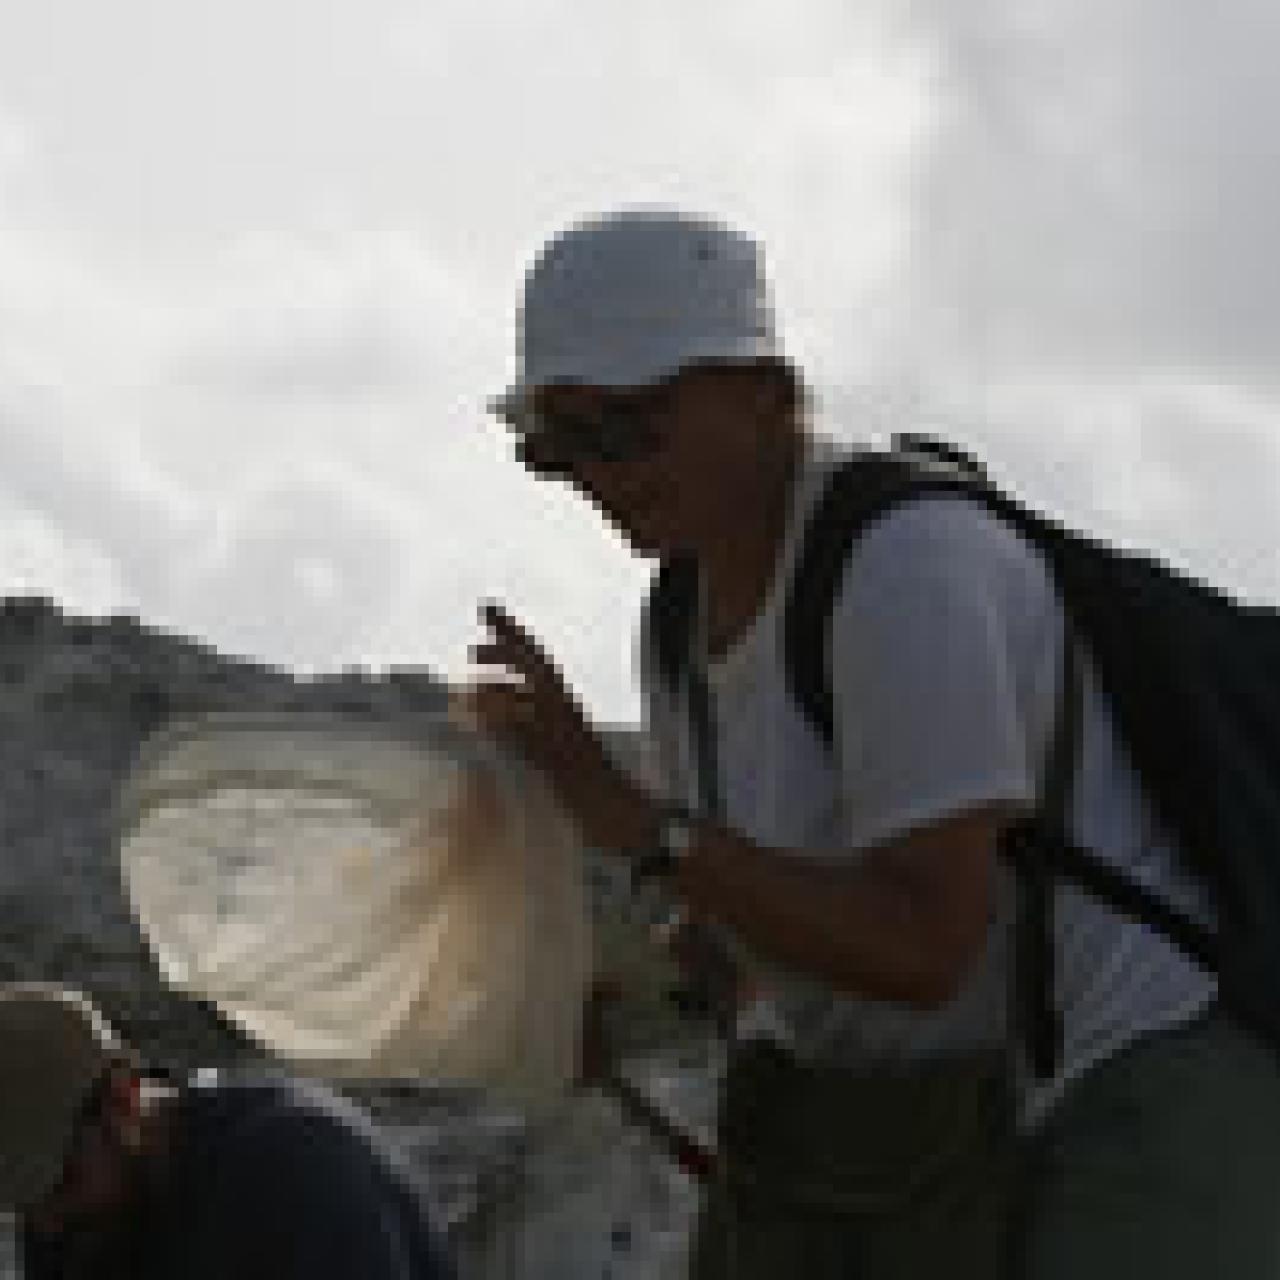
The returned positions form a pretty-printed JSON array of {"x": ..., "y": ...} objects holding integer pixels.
[
  {"x": 515, "y": 405},
  {"x": 511, "y": 407}
]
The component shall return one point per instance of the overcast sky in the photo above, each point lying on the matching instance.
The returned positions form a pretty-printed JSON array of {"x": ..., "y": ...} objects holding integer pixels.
[{"x": 259, "y": 262}]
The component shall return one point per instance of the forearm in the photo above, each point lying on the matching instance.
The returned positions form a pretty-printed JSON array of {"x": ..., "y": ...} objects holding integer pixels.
[
  {"x": 867, "y": 929},
  {"x": 861, "y": 928}
]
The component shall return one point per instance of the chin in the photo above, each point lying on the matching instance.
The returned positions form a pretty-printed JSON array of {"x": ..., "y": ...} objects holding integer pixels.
[
  {"x": 643, "y": 537},
  {"x": 640, "y": 541},
  {"x": 656, "y": 537},
  {"x": 643, "y": 545}
]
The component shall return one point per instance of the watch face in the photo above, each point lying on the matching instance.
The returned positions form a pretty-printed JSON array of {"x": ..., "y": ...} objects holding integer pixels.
[{"x": 678, "y": 834}]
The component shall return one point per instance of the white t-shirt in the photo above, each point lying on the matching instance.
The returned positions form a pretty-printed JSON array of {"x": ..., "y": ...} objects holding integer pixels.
[{"x": 946, "y": 653}]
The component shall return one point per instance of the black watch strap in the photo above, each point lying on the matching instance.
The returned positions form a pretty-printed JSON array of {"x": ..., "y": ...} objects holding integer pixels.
[{"x": 657, "y": 861}]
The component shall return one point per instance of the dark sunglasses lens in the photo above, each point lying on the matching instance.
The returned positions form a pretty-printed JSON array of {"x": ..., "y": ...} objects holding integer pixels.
[
  {"x": 540, "y": 454},
  {"x": 556, "y": 449},
  {"x": 625, "y": 438}
]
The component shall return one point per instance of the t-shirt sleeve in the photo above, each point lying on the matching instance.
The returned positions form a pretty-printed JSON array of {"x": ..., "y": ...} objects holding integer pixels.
[{"x": 942, "y": 652}]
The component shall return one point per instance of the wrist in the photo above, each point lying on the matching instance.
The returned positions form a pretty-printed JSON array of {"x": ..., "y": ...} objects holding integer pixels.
[
  {"x": 614, "y": 813},
  {"x": 639, "y": 819},
  {"x": 673, "y": 832}
]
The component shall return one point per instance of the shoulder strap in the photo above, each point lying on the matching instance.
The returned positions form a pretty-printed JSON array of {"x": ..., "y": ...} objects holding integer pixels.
[
  {"x": 671, "y": 608},
  {"x": 669, "y": 617},
  {"x": 860, "y": 491},
  {"x": 711, "y": 977},
  {"x": 1031, "y": 845}
]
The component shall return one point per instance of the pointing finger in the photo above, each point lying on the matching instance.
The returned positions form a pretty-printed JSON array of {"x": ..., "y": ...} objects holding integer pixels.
[{"x": 520, "y": 648}]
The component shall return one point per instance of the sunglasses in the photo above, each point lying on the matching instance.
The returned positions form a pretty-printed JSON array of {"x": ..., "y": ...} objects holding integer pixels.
[{"x": 623, "y": 430}]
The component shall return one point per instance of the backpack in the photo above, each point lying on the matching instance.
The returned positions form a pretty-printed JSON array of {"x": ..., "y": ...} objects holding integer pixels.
[{"x": 1192, "y": 679}]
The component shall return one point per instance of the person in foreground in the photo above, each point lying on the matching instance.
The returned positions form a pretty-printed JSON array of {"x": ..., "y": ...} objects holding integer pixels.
[
  {"x": 874, "y": 1102},
  {"x": 116, "y": 1171}
]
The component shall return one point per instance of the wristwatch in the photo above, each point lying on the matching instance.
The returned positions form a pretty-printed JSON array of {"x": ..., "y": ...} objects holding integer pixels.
[{"x": 677, "y": 830}]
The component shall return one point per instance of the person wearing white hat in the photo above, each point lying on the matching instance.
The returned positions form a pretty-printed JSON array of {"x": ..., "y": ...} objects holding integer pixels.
[
  {"x": 631, "y": 324},
  {"x": 118, "y": 1171},
  {"x": 652, "y": 378},
  {"x": 858, "y": 879}
]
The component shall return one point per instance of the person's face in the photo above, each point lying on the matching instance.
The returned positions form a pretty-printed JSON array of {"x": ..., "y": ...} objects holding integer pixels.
[{"x": 662, "y": 463}]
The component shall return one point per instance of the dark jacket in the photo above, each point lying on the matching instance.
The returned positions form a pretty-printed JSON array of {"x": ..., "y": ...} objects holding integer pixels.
[{"x": 268, "y": 1179}]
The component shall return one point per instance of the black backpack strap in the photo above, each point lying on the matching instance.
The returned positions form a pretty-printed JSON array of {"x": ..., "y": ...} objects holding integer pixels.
[
  {"x": 1030, "y": 847},
  {"x": 860, "y": 491},
  {"x": 1071, "y": 862},
  {"x": 669, "y": 617},
  {"x": 714, "y": 979},
  {"x": 931, "y": 448},
  {"x": 671, "y": 609}
]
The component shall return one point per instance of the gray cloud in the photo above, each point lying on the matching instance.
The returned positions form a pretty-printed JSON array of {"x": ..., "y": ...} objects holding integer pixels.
[
  {"x": 1090, "y": 296},
  {"x": 1103, "y": 188},
  {"x": 330, "y": 315},
  {"x": 1221, "y": 450},
  {"x": 294, "y": 569},
  {"x": 91, "y": 490}
]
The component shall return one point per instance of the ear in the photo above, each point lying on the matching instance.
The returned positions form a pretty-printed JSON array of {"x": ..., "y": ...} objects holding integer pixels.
[{"x": 771, "y": 393}]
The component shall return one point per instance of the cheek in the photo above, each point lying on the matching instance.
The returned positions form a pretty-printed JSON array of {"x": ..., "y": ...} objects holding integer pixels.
[{"x": 693, "y": 476}]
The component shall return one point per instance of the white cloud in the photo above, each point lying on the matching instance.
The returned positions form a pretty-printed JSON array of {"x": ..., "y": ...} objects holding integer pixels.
[
  {"x": 801, "y": 126},
  {"x": 326, "y": 313},
  {"x": 38, "y": 558},
  {"x": 86, "y": 480},
  {"x": 15, "y": 145},
  {"x": 296, "y": 567}
]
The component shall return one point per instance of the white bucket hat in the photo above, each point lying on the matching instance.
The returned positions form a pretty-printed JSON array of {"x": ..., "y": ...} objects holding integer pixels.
[{"x": 627, "y": 298}]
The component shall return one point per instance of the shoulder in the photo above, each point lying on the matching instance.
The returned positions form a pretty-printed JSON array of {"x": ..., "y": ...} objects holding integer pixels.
[
  {"x": 300, "y": 1181},
  {"x": 947, "y": 523},
  {"x": 935, "y": 541},
  {"x": 267, "y": 1124}
]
